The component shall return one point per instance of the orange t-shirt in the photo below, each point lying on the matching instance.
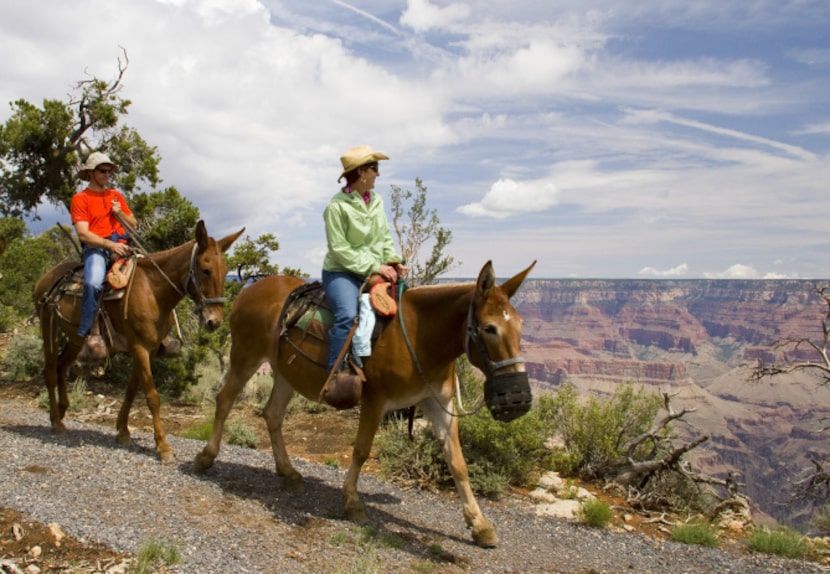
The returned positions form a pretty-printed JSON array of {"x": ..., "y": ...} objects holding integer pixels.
[{"x": 95, "y": 207}]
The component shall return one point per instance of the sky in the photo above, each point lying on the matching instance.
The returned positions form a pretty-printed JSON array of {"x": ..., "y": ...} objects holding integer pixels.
[{"x": 604, "y": 139}]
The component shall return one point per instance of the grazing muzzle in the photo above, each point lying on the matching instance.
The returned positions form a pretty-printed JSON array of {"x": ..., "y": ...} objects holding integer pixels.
[{"x": 508, "y": 396}]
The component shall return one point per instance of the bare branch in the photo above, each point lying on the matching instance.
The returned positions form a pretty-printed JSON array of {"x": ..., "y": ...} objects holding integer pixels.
[{"x": 794, "y": 344}]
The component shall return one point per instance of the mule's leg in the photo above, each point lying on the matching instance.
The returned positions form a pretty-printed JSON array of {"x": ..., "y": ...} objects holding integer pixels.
[
  {"x": 370, "y": 418},
  {"x": 142, "y": 375},
  {"x": 234, "y": 381},
  {"x": 67, "y": 355},
  {"x": 445, "y": 427},
  {"x": 122, "y": 423},
  {"x": 51, "y": 377},
  {"x": 274, "y": 414},
  {"x": 54, "y": 369}
]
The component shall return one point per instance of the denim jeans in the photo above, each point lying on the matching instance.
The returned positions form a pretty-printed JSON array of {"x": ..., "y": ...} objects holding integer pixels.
[
  {"x": 95, "y": 269},
  {"x": 342, "y": 293}
]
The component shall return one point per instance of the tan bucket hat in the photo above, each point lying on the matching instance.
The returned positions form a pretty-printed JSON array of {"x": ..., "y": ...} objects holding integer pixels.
[
  {"x": 95, "y": 159},
  {"x": 358, "y": 156}
]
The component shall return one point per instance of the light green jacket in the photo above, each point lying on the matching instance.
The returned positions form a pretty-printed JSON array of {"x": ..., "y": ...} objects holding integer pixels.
[{"x": 358, "y": 235}]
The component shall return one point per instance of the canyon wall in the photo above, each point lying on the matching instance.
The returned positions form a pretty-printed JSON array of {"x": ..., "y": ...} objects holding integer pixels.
[{"x": 699, "y": 339}]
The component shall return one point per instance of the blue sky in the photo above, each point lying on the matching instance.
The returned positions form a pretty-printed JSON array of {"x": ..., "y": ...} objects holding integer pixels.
[{"x": 669, "y": 139}]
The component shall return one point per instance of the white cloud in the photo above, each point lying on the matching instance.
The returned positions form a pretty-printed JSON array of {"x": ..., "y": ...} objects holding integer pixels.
[
  {"x": 508, "y": 197},
  {"x": 821, "y": 128},
  {"x": 685, "y": 150},
  {"x": 678, "y": 271},
  {"x": 737, "y": 271},
  {"x": 422, "y": 15}
]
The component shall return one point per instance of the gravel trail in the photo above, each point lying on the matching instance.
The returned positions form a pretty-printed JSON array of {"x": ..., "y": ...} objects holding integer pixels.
[{"x": 237, "y": 518}]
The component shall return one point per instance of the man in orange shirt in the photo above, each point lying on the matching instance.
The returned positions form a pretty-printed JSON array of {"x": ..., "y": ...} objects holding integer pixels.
[{"x": 94, "y": 212}]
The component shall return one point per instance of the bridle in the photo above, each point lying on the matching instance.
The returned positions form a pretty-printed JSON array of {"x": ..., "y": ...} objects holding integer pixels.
[
  {"x": 507, "y": 395},
  {"x": 474, "y": 337},
  {"x": 193, "y": 277}
]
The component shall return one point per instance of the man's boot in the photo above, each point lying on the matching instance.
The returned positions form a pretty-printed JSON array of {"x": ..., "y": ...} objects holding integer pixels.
[
  {"x": 94, "y": 349},
  {"x": 343, "y": 390}
]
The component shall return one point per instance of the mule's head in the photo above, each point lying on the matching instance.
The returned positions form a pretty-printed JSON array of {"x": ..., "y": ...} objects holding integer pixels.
[
  {"x": 494, "y": 332},
  {"x": 206, "y": 277}
]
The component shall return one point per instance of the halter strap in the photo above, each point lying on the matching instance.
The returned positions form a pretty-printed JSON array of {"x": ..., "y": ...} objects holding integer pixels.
[
  {"x": 473, "y": 335},
  {"x": 193, "y": 277}
]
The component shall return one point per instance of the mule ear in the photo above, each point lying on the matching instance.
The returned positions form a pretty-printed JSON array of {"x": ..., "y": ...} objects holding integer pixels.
[
  {"x": 201, "y": 235},
  {"x": 512, "y": 285},
  {"x": 486, "y": 278},
  {"x": 226, "y": 242}
]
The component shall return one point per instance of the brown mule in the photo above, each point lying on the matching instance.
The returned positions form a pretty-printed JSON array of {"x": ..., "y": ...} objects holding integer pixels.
[
  {"x": 441, "y": 323},
  {"x": 140, "y": 321}
]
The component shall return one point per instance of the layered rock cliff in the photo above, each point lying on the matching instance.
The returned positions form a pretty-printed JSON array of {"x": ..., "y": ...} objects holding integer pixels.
[{"x": 700, "y": 339}]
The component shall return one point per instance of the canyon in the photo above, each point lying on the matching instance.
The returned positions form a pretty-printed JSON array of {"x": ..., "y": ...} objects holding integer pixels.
[{"x": 698, "y": 340}]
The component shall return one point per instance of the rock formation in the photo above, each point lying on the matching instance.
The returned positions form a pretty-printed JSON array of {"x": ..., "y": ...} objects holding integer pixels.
[{"x": 698, "y": 338}]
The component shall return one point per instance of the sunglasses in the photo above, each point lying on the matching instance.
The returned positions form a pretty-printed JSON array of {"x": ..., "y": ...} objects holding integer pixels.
[
  {"x": 103, "y": 170},
  {"x": 374, "y": 167}
]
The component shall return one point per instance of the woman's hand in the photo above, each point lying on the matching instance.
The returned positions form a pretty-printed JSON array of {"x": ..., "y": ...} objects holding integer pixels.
[{"x": 388, "y": 273}]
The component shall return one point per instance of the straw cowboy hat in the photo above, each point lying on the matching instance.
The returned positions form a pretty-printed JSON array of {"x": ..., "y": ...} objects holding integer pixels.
[
  {"x": 94, "y": 160},
  {"x": 359, "y": 156}
]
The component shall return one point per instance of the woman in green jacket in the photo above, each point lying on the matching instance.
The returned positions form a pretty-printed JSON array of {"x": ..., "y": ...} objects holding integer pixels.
[{"x": 359, "y": 245}]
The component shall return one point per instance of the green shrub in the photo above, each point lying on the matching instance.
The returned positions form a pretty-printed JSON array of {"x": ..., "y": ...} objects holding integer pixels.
[
  {"x": 498, "y": 454},
  {"x": 241, "y": 434},
  {"x": 419, "y": 461},
  {"x": 300, "y": 404},
  {"x": 697, "y": 532},
  {"x": 596, "y": 432},
  {"x": 594, "y": 513},
  {"x": 154, "y": 553},
  {"x": 24, "y": 356},
  {"x": 782, "y": 541},
  {"x": 199, "y": 430}
]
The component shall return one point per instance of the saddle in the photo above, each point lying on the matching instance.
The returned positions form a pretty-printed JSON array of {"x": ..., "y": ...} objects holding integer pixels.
[
  {"x": 118, "y": 277},
  {"x": 306, "y": 319}
]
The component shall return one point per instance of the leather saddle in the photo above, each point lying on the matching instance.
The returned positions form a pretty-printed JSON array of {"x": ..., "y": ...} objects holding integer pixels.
[
  {"x": 306, "y": 319},
  {"x": 117, "y": 279}
]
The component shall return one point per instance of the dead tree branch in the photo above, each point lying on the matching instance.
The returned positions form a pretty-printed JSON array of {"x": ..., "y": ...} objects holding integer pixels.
[{"x": 793, "y": 344}]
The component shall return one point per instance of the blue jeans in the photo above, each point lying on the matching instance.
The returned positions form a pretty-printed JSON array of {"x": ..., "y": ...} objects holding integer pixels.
[
  {"x": 342, "y": 294},
  {"x": 95, "y": 269}
]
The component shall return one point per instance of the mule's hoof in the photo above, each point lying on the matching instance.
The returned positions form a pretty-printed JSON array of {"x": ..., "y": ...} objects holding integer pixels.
[
  {"x": 58, "y": 428},
  {"x": 356, "y": 514},
  {"x": 294, "y": 484},
  {"x": 203, "y": 462},
  {"x": 167, "y": 456},
  {"x": 485, "y": 537},
  {"x": 124, "y": 439}
]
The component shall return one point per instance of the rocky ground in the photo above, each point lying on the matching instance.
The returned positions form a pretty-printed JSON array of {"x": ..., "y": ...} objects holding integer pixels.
[{"x": 80, "y": 504}]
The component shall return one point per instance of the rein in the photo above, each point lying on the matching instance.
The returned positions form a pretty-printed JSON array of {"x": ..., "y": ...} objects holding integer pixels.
[
  {"x": 463, "y": 412},
  {"x": 192, "y": 277}
]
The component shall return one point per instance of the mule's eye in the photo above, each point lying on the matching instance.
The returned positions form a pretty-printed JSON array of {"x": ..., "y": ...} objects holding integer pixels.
[
  {"x": 206, "y": 272},
  {"x": 491, "y": 330}
]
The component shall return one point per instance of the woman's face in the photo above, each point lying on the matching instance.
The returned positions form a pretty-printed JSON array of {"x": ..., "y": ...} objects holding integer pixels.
[{"x": 370, "y": 173}]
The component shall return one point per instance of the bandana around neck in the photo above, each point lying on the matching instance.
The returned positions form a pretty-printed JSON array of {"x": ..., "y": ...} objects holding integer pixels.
[{"x": 367, "y": 196}]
